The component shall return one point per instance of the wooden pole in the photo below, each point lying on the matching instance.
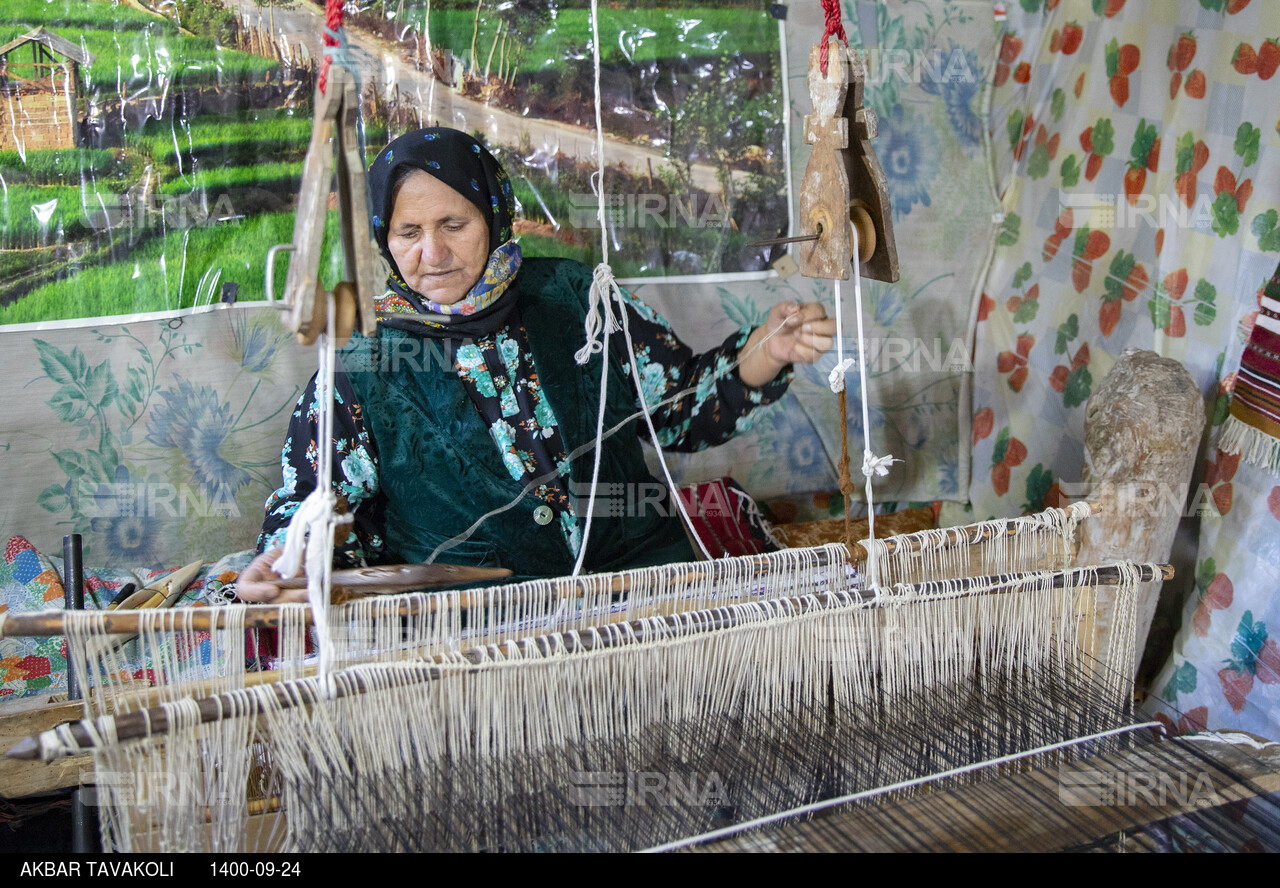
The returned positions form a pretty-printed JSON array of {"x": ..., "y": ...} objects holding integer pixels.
[
  {"x": 73, "y": 587},
  {"x": 1142, "y": 431},
  {"x": 155, "y": 721}
]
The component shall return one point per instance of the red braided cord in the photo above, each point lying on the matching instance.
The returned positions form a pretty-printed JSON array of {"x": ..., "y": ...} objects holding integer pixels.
[
  {"x": 333, "y": 22},
  {"x": 834, "y": 27}
]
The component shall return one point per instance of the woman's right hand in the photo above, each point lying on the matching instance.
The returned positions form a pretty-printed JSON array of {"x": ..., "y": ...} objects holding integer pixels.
[{"x": 259, "y": 583}]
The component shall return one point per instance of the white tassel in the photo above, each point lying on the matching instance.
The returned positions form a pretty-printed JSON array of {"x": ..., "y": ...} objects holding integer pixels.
[
  {"x": 876, "y": 465},
  {"x": 1255, "y": 446},
  {"x": 835, "y": 379},
  {"x": 602, "y": 287}
]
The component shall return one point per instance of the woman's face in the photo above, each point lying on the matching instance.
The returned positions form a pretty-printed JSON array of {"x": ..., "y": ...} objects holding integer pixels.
[{"x": 439, "y": 239}]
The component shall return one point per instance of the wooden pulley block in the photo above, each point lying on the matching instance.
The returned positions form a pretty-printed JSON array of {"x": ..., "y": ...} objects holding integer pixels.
[
  {"x": 843, "y": 183},
  {"x": 333, "y": 154}
]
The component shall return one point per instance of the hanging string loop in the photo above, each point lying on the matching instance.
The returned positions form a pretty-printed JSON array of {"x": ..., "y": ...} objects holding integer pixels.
[
  {"x": 833, "y": 26},
  {"x": 332, "y": 38}
]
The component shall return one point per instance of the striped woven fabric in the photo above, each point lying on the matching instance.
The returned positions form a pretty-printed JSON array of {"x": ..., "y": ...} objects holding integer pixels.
[{"x": 1253, "y": 428}]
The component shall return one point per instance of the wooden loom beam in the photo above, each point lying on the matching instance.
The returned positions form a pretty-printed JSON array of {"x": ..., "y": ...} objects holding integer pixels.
[
  {"x": 155, "y": 721},
  {"x": 267, "y": 616}
]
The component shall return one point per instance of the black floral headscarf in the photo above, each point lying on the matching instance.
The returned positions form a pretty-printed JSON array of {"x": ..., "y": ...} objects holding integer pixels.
[
  {"x": 457, "y": 160},
  {"x": 466, "y": 166}
]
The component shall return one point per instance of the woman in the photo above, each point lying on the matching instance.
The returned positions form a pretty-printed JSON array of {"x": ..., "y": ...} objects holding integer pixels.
[{"x": 421, "y": 452}]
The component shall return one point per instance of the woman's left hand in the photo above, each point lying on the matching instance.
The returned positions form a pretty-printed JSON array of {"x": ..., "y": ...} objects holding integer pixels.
[{"x": 794, "y": 333}]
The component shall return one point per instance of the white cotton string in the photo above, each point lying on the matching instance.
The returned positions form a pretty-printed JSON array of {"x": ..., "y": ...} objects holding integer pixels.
[
  {"x": 602, "y": 283},
  {"x": 653, "y": 433},
  {"x": 602, "y": 280},
  {"x": 872, "y": 465},
  {"x": 476, "y": 717},
  {"x": 835, "y": 378},
  {"x": 600, "y": 322},
  {"x": 312, "y": 526},
  {"x": 320, "y": 540},
  {"x": 884, "y": 790},
  {"x": 754, "y": 515},
  {"x": 595, "y": 55},
  {"x": 309, "y": 512}
]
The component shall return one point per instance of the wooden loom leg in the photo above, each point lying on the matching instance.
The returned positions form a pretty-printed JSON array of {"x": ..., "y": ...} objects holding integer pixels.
[{"x": 1142, "y": 431}]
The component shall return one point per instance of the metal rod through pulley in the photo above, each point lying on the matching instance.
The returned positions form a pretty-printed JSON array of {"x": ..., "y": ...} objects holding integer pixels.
[{"x": 777, "y": 241}]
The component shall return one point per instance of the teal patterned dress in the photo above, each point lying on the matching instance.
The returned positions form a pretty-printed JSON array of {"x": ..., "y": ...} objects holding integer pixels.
[{"x": 498, "y": 374}]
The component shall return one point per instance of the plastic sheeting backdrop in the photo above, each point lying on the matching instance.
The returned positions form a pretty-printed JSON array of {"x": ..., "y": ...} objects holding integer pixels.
[{"x": 149, "y": 170}]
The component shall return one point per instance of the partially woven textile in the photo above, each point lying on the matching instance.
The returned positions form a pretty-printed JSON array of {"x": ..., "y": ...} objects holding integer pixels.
[{"x": 1253, "y": 428}]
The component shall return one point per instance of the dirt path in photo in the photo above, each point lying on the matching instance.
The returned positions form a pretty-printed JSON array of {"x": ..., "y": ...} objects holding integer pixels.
[{"x": 437, "y": 103}]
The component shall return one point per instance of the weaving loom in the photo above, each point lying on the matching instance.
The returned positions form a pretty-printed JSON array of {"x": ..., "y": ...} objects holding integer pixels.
[
  {"x": 814, "y": 698},
  {"x": 520, "y": 716}
]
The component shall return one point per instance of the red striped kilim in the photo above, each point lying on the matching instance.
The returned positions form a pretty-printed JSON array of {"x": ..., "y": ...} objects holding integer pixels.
[{"x": 1253, "y": 428}]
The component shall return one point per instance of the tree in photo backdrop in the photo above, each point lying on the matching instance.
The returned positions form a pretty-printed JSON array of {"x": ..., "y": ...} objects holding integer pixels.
[{"x": 193, "y": 121}]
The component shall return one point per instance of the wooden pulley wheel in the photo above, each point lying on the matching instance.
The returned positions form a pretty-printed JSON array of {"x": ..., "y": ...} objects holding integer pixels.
[
  {"x": 861, "y": 220},
  {"x": 344, "y": 312}
]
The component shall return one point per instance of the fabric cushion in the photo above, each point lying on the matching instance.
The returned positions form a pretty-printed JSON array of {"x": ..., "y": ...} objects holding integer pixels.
[{"x": 30, "y": 581}]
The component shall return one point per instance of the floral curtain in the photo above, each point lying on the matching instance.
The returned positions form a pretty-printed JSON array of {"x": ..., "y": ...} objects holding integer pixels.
[
  {"x": 929, "y": 65},
  {"x": 157, "y": 440},
  {"x": 1136, "y": 148}
]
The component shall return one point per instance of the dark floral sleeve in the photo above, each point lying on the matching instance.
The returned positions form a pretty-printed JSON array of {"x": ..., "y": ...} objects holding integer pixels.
[
  {"x": 719, "y": 404},
  {"x": 355, "y": 476}
]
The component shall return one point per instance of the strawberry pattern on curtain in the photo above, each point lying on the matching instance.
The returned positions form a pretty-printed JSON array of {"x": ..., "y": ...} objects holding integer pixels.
[{"x": 1137, "y": 150}]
